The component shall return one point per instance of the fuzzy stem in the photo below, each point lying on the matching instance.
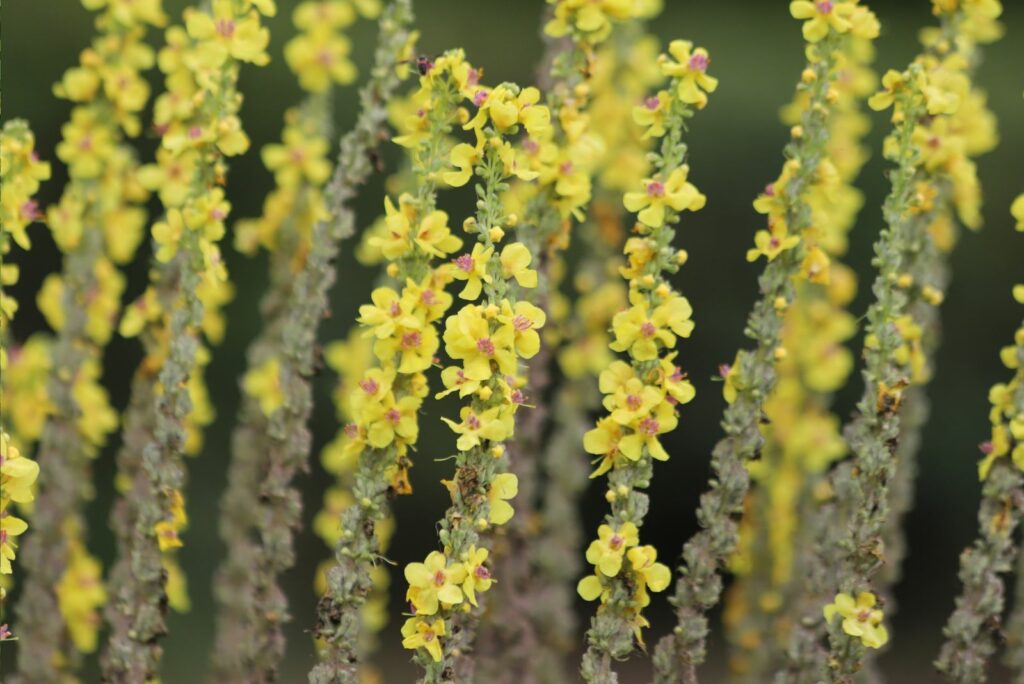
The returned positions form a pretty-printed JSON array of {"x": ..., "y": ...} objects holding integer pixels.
[
  {"x": 262, "y": 507},
  {"x": 64, "y": 482}
]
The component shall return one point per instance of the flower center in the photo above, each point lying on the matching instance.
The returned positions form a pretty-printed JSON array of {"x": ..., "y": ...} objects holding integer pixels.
[
  {"x": 825, "y": 6},
  {"x": 485, "y": 346},
  {"x": 369, "y": 386},
  {"x": 652, "y": 103},
  {"x": 518, "y": 397},
  {"x": 480, "y": 97},
  {"x": 522, "y": 323},
  {"x": 482, "y": 573},
  {"x": 566, "y": 167},
  {"x": 633, "y": 402},
  {"x": 428, "y": 297},
  {"x": 351, "y": 430},
  {"x": 394, "y": 416},
  {"x": 698, "y": 62},
  {"x": 395, "y": 309},
  {"x": 531, "y": 145},
  {"x": 649, "y": 426},
  {"x": 615, "y": 542},
  {"x": 411, "y": 340},
  {"x": 473, "y": 422},
  {"x": 439, "y": 578},
  {"x": 225, "y": 27},
  {"x": 648, "y": 329},
  {"x": 656, "y": 189},
  {"x": 465, "y": 263}
]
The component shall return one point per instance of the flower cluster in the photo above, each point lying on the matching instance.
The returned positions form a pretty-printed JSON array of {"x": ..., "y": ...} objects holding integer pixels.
[
  {"x": 488, "y": 340},
  {"x": 17, "y": 475},
  {"x": 197, "y": 118},
  {"x": 591, "y": 22},
  {"x": 21, "y": 173},
  {"x": 642, "y": 396}
]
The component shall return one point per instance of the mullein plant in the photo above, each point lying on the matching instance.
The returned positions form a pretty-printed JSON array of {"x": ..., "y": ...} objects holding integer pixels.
[
  {"x": 271, "y": 444},
  {"x": 487, "y": 342},
  {"x": 198, "y": 120},
  {"x": 969, "y": 132},
  {"x": 973, "y": 630},
  {"x": 545, "y": 559},
  {"x": 96, "y": 224},
  {"x": 792, "y": 246},
  {"x": 403, "y": 324},
  {"x": 581, "y": 69},
  {"x": 21, "y": 173},
  {"x": 934, "y": 185},
  {"x": 802, "y": 436},
  {"x": 642, "y": 396}
]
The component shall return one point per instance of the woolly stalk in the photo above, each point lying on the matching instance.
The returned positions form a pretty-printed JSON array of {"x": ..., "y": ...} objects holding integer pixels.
[
  {"x": 262, "y": 508},
  {"x": 751, "y": 378}
]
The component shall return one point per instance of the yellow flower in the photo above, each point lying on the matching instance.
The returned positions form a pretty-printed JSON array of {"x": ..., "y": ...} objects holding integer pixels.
[
  {"x": 771, "y": 244},
  {"x": 323, "y": 14},
  {"x": 690, "y": 68},
  {"x": 478, "y": 577},
  {"x": 87, "y": 144},
  {"x": 387, "y": 419},
  {"x": 592, "y": 18},
  {"x": 167, "y": 235},
  {"x": 419, "y": 633},
  {"x": 525, "y": 319},
  {"x": 463, "y": 157},
  {"x": 263, "y": 383},
  {"x": 299, "y": 157},
  {"x": 651, "y": 575},
  {"x": 506, "y": 109},
  {"x": 860, "y": 618},
  {"x": 434, "y": 237},
  {"x": 223, "y": 34},
  {"x": 606, "y": 552},
  {"x": 1017, "y": 211},
  {"x": 473, "y": 268},
  {"x": 676, "y": 193},
  {"x": 434, "y": 582},
  {"x": 603, "y": 440},
  {"x": 80, "y": 592},
  {"x": 17, "y": 474},
  {"x": 515, "y": 263},
  {"x": 468, "y": 337},
  {"x": 10, "y": 528},
  {"x": 475, "y": 428},
  {"x": 320, "y": 58},
  {"x": 639, "y": 330},
  {"x": 645, "y": 433},
  {"x": 821, "y": 16},
  {"x": 651, "y": 114},
  {"x": 504, "y": 486}
]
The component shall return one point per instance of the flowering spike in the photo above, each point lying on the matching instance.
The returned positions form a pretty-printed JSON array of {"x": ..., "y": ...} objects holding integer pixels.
[
  {"x": 189, "y": 283},
  {"x": 786, "y": 243}
]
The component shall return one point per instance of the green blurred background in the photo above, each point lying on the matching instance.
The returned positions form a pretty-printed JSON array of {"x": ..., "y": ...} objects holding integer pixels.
[{"x": 735, "y": 144}]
